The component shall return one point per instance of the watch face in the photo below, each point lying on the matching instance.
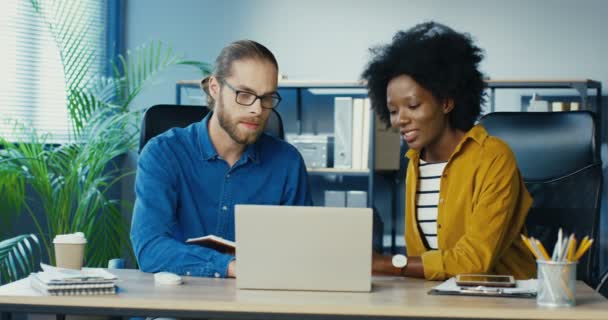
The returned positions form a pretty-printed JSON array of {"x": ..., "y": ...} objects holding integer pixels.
[{"x": 399, "y": 261}]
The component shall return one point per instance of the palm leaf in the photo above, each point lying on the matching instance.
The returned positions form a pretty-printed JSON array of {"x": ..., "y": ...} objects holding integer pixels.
[
  {"x": 204, "y": 67},
  {"x": 17, "y": 257},
  {"x": 135, "y": 70},
  {"x": 70, "y": 27},
  {"x": 13, "y": 176},
  {"x": 107, "y": 229}
]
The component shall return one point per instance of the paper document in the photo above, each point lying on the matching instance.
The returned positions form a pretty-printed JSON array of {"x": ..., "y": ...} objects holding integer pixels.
[
  {"x": 523, "y": 288},
  {"x": 52, "y": 274}
]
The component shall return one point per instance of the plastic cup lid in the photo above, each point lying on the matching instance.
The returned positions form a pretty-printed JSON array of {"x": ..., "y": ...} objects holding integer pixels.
[{"x": 72, "y": 238}]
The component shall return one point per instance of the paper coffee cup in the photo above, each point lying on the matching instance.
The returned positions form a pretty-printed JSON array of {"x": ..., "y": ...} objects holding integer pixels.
[{"x": 69, "y": 250}]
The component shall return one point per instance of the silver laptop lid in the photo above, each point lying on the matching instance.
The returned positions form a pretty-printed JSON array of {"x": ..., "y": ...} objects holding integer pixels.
[{"x": 303, "y": 248}]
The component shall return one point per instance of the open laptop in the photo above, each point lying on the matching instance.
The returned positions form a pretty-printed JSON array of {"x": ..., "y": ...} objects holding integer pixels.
[{"x": 303, "y": 248}]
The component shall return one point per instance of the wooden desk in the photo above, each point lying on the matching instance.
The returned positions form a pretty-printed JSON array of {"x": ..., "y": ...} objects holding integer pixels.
[{"x": 391, "y": 298}]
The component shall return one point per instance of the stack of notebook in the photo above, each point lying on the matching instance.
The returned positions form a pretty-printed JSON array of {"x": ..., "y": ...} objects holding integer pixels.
[{"x": 65, "y": 282}]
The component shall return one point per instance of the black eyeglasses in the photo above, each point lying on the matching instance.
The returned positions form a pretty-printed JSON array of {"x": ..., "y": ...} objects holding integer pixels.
[{"x": 245, "y": 98}]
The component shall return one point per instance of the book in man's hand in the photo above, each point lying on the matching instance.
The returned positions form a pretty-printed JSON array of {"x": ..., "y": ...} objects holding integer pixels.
[{"x": 214, "y": 242}]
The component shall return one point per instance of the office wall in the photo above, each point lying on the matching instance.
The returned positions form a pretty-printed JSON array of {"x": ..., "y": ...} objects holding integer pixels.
[
  {"x": 321, "y": 39},
  {"x": 329, "y": 40}
]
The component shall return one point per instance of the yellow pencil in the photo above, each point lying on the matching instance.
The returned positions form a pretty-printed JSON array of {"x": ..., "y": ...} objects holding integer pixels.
[
  {"x": 571, "y": 248},
  {"x": 584, "y": 249},
  {"x": 525, "y": 240},
  {"x": 542, "y": 249},
  {"x": 581, "y": 246}
]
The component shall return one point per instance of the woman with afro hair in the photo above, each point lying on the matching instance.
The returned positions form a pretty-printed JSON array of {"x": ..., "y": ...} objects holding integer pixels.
[{"x": 465, "y": 199}]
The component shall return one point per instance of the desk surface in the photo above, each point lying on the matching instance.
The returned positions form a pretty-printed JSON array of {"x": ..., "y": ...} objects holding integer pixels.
[{"x": 208, "y": 297}]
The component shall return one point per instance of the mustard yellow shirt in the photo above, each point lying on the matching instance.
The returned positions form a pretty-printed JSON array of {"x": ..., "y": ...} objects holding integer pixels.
[{"x": 483, "y": 204}]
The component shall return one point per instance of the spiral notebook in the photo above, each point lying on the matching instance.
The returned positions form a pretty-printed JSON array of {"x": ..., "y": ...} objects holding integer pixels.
[
  {"x": 71, "y": 289},
  {"x": 65, "y": 282}
]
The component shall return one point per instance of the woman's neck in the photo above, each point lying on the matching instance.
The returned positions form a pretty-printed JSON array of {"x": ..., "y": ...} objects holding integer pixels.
[{"x": 443, "y": 147}]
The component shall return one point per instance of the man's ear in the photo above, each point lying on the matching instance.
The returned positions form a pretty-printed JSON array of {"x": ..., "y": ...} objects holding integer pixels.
[
  {"x": 448, "y": 105},
  {"x": 214, "y": 87}
]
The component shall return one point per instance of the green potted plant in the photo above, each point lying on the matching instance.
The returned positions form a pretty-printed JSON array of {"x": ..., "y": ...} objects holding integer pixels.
[
  {"x": 17, "y": 254},
  {"x": 71, "y": 181}
]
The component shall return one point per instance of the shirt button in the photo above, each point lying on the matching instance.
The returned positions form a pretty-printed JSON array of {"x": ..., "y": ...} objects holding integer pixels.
[
  {"x": 441, "y": 200},
  {"x": 438, "y": 226},
  {"x": 228, "y": 176},
  {"x": 217, "y": 275},
  {"x": 188, "y": 273},
  {"x": 224, "y": 208}
]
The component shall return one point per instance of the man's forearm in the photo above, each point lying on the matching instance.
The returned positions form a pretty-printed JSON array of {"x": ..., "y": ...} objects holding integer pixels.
[{"x": 166, "y": 254}]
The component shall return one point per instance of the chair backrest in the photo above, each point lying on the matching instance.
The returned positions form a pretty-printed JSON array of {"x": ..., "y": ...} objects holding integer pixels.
[
  {"x": 558, "y": 156},
  {"x": 163, "y": 117}
]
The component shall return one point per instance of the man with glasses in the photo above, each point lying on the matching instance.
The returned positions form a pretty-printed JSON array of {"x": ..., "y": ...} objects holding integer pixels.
[{"x": 188, "y": 180}]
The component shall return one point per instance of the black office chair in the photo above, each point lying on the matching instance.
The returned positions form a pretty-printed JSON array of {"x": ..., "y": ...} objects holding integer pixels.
[
  {"x": 163, "y": 117},
  {"x": 558, "y": 156}
]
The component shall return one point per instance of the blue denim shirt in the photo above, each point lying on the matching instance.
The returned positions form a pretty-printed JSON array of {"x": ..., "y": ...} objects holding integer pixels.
[{"x": 185, "y": 190}]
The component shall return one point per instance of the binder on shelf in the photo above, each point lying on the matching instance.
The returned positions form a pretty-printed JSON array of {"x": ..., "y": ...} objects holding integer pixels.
[
  {"x": 357, "y": 135},
  {"x": 343, "y": 126},
  {"x": 367, "y": 113}
]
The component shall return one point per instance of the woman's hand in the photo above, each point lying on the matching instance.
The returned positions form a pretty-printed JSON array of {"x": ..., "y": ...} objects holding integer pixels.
[{"x": 383, "y": 265}]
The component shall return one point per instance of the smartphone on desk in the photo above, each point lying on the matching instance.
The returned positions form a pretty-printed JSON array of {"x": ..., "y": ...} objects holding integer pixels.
[{"x": 486, "y": 280}]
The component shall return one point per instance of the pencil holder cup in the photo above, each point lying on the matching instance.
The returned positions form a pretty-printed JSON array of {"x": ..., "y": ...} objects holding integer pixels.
[{"x": 556, "y": 283}]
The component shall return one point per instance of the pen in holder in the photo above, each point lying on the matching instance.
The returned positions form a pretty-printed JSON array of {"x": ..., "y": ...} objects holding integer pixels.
[
  {"x": 557, "y": 273},
  {"x": 556, "y": 283}
]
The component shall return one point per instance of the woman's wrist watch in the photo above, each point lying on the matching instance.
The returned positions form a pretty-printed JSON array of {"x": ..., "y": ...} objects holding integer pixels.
[{"x": 400, "y": 262}]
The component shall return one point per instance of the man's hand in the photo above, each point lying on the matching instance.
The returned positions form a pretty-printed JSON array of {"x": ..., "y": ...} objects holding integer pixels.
[{"x": 232, "y": 269}]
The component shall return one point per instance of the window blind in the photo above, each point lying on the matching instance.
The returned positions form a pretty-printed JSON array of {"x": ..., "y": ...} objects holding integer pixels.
[{"x": 32, "y": 90}]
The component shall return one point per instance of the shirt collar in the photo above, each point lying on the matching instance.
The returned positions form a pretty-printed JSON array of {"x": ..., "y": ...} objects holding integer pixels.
[
  {"x": 478, "y": 134},
  {"x": 252, "y": 151},
  {"x": 208, "y": 151}
]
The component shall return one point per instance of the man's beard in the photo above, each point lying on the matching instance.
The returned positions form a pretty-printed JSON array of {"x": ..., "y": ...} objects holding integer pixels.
[{"x": 231, "y": 126}]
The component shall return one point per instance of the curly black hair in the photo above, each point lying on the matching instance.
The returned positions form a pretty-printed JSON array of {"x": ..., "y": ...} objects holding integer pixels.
[{"x": 439, "y": 59}]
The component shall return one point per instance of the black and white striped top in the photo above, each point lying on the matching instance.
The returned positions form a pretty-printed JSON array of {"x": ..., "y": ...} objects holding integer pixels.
[{"x": 427, "y": 198}]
